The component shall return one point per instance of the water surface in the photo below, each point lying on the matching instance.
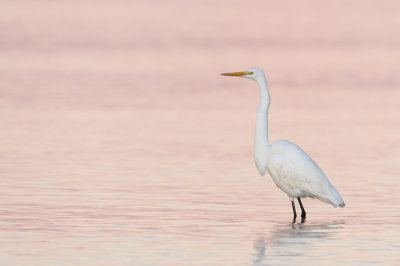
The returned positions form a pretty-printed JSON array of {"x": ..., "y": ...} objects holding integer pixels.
[{"x": 121, "y": 144}]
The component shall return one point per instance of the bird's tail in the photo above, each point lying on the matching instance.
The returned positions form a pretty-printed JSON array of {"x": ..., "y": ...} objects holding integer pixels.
[
  {"x": 334, "y": 198},
  {"x": 331, "y": 196}
]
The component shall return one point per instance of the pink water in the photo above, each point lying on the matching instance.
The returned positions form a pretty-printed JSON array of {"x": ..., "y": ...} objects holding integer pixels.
[{"x": 121, "y": 144}]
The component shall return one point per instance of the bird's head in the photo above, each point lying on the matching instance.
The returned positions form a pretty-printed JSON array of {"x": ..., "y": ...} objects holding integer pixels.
[{"x": 253, "y": 73}]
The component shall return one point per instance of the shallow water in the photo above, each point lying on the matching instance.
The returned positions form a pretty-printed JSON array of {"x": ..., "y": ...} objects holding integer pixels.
[{"x": 122, "y": 145}]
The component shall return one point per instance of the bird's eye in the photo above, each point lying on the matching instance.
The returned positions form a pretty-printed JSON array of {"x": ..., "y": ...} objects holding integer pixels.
[{"x": 249, "y": 73}]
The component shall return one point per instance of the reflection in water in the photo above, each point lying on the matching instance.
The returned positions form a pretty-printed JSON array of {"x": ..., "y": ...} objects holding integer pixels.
[{"x": 296, "y": 239}]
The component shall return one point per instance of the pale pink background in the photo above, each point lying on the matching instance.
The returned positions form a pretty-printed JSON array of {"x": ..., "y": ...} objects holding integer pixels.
[{"x": 122, "y": 144}]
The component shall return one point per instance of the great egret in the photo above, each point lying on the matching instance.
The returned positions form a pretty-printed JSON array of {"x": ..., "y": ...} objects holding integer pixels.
[{"x": 292, "y": 170}]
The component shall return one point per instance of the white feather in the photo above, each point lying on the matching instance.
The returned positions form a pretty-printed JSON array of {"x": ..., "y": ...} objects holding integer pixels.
[
  {"x": 292, "y": 170},
  {"x": 295, "y": 173}
]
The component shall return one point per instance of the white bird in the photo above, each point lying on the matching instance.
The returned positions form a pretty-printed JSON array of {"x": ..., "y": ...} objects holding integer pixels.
[{"x": 292, "y": 170}]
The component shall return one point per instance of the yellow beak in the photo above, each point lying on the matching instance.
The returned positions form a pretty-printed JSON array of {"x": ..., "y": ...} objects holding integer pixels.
[{"x": 238, "y": 73}]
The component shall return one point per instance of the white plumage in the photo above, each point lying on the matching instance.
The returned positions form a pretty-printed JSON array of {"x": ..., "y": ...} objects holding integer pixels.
[
  {"x": 295, "y": 173},
  {"x": 292, "y": 170}
]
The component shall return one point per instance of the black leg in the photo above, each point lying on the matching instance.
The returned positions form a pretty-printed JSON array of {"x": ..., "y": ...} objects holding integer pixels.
[
  {"x": 303, "y": 212},
  {"x": 294, "y": 211}
]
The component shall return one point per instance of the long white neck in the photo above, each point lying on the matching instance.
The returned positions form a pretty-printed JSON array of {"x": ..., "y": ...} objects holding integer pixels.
[{"x": 261, "y": 142}]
